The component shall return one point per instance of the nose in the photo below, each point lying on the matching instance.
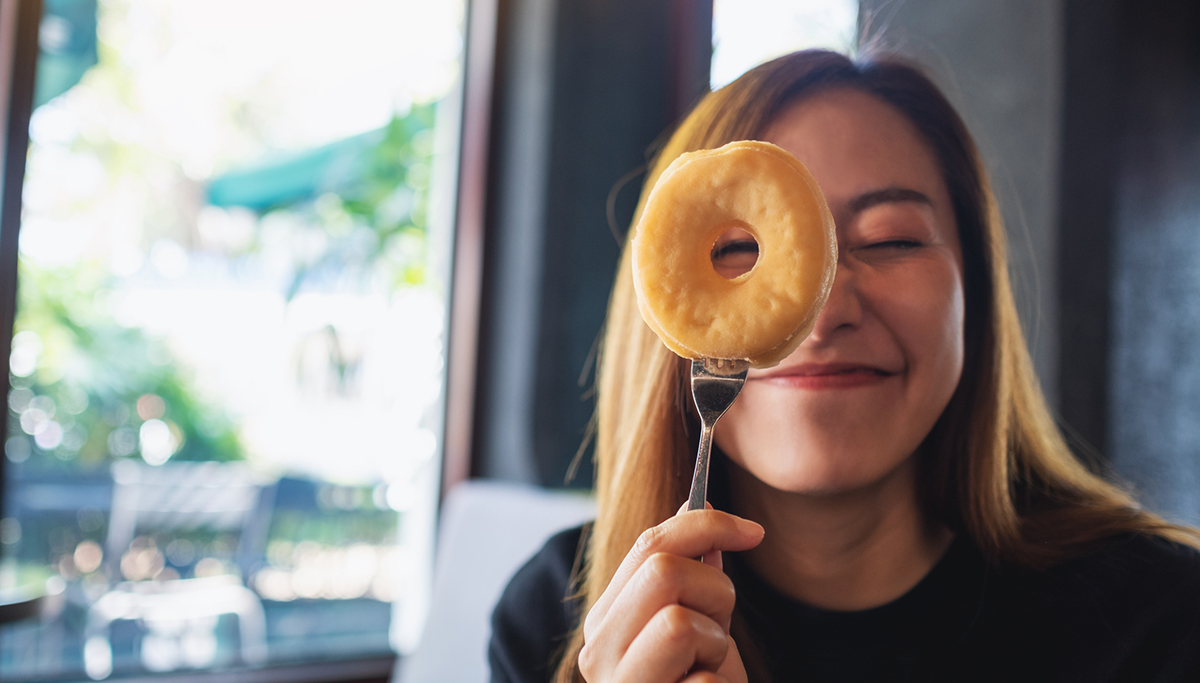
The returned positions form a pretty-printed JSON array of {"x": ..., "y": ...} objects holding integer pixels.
[{"x": 842, "y": 311}]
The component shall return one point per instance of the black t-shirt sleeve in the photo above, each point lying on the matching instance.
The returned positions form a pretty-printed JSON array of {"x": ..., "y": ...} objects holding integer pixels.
[{"x": 534, "y": 616}]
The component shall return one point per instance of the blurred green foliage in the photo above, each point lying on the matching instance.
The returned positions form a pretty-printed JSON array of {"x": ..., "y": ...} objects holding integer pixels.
[{"x": 93, "y": 371}]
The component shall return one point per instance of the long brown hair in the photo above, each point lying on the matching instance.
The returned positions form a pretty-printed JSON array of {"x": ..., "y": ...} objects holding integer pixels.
[{"x": 994, "y": 467}]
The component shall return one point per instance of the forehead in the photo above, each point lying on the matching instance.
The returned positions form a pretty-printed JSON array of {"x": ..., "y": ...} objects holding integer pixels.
[{"x": 854, "y": 142}]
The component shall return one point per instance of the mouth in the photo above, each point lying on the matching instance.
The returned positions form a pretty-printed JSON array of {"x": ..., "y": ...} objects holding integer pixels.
[{"x": 825, "y": 375}]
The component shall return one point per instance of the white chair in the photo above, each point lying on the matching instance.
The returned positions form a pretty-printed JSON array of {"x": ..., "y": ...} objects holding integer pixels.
[{"x": 488, "y": 530}]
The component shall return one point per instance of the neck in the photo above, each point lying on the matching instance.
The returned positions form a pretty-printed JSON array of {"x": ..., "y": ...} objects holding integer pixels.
[{"x": 841, "y": 551}]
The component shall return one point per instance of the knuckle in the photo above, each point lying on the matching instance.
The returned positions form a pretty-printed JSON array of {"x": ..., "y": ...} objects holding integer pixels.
[
  {"x": 587, "y": 660},
  {"x": 728, "y": 596},
  {"x": 591, "y": 622},
  {"x": 661, "y": 568},
  {"x": 647, "y": 541},
  {"x": 589, "y": 626},
  {"x": 676, "y": 624}
]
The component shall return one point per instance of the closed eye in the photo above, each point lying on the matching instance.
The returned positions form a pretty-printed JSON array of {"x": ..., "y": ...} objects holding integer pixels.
[
  {"x": 886, "y": 251},
  {"x": 734, "y": 258},
  {"x": 903, "y": 245},
  {"x": 735, "y": 247}
]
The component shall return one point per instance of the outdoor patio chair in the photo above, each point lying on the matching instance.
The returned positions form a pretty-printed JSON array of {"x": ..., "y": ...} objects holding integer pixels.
[{"x": 177, "y": 498}]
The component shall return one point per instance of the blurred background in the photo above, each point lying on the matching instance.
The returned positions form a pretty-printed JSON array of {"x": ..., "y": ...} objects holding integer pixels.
[
  {"x": 281, "y": 275},
  {"x": 228, "y": 348}
]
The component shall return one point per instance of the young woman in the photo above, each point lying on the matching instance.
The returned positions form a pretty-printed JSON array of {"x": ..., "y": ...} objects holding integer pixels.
[{"x": 893, "y": 502}]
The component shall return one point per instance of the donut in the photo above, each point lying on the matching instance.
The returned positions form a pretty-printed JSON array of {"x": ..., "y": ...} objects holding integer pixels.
[{"x": 761, "y": 315}]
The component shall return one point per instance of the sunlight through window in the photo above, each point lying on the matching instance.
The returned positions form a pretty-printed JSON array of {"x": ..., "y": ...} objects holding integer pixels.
[{"x": 228, "y": 361}]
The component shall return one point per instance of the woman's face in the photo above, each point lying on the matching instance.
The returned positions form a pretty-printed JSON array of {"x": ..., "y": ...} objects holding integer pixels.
[{"x": 858, "y": 396}]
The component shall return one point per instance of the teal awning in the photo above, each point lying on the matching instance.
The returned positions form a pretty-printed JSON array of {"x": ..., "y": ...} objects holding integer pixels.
[
  {"x": 294, "y": 177},
  {"x": 365, "y": 167}
]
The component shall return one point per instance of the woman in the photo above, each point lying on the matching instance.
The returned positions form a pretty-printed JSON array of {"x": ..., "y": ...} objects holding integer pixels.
[{"x": 893, "y": 501}]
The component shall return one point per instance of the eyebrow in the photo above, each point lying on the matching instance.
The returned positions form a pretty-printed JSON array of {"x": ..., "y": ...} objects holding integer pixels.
[{"x": 886, "y": 196}]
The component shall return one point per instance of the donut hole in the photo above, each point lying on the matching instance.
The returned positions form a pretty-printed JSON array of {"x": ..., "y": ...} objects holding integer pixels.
[{"x": 734, "y": 253}]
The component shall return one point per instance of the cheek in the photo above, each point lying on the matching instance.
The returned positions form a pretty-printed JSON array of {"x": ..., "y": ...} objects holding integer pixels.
[{"x": 924, "y": 310}]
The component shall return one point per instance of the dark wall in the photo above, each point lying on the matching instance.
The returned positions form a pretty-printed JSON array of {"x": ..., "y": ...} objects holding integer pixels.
[
  {"x": 1091, "y": 123},
  {"x": 1154, "y": 343},
  {"x": 584, "y": 88}
]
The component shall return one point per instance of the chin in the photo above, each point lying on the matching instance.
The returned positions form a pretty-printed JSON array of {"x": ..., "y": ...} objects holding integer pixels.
[{"x": 821, "y": 469}]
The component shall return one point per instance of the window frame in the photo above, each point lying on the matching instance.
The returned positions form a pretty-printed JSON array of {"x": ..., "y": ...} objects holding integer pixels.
[{"x": 19, "y": 22}]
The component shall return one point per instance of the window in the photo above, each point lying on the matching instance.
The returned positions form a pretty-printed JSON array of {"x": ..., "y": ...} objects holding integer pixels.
[
  {"x": 227, "y": 366},
  {"x": 747, "y": 33}
]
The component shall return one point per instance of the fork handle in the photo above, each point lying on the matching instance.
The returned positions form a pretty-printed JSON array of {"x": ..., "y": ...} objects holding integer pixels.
[{"x": 699, "y": 492}]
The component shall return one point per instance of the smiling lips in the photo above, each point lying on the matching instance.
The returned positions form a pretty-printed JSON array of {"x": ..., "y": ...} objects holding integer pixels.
[{"x": 824, "y": 375}]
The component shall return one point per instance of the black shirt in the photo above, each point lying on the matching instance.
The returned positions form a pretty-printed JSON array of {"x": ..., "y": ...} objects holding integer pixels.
[{"x": 1128, "y": 612}]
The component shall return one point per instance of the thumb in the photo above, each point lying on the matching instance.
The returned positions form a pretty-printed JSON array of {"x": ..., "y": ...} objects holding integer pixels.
[{"x": 713, "y": 558}]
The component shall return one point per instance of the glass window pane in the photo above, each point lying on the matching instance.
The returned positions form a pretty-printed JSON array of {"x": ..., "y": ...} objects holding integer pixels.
[
  {"x": 227, "y": 368},
  {"x": 747, "y": 33}
]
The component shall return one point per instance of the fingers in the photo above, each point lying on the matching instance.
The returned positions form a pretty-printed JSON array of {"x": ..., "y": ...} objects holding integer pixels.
[
  {"x": 675, "y": 643},
  {"x": 665, "y": 579},
  {"x": 677, "y": 640},
  {"x": 665, "y": 616},
  {"x": 662, "y": 582},
  {"x": 690, "y": 534}
]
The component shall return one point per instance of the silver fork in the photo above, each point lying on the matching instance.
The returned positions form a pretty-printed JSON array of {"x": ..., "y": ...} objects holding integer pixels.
[{"x": 716, "y": 382}]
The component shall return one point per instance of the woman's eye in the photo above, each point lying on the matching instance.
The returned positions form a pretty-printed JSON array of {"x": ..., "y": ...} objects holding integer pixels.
[
  {"x": 731, "y": 259},
  {"x": 886, "y": 250},
  {"x": 738, "y": 247},
  {"x": 903, "y": 245}
]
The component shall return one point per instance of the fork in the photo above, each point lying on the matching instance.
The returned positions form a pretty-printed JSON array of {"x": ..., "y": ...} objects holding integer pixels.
[{"x": 716, "y": 382}]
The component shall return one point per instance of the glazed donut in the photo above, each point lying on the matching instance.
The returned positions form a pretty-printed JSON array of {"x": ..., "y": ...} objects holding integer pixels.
[{"x": 760, "y": 315}]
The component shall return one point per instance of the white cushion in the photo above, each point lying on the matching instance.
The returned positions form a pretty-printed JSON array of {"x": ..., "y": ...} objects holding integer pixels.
[{"x": 488, "y": 530}]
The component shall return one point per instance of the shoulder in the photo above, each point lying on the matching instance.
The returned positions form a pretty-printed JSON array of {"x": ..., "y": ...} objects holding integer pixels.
[
  {"x": 1134, "y": 565},
  {"x": 544, "y": 580},
  {"x": 535, "y": 613},
  {"x": 1130, "y": 608}
]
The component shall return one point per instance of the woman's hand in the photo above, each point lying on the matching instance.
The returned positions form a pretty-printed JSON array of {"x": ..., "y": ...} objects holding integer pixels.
[{"x": 665, "y": 615}]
